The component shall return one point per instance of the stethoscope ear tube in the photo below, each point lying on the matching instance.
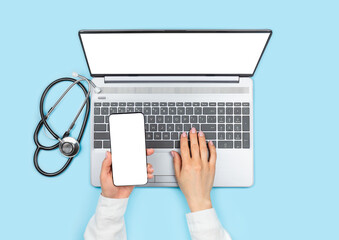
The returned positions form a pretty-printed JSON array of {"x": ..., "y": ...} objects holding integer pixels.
[{"x": 43, "y": 122}]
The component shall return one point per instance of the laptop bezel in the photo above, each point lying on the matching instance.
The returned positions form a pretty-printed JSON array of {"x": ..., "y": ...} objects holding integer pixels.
[{"x": 175, "y": 31}]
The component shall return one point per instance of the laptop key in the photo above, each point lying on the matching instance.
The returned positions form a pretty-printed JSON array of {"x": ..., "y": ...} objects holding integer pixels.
[
  {"x": 130, "y": 104},
  {"x": 174, "y": 136},
  {"x": 210, "y": 135},
  {"x": 99, "y": 119},
  {"x": 107, "y": 144},
  {"x": 172, "y": 110},
  {"x": 208, "y": 127},
  {"x": 246, "y": 104},
  {"x": 96, "y": 111},
  {"x": 176, "y": 119},
  {"x": 237, "y": 127},
  {"x": 163, "y": 104},
  {"x": 197, "y": 110},
  {"x": 155, "y": 110},
  {"x": 221, "y": 127},
  {"x": 179, "y": 104},
  {"x": 185, "y": 119},
  {"x": 221, "y": 119},
  {"x": 213, "y": 104},
  {"x": 113, "y": 110},
  {"x": 153, "y": 127},
  {"x": 237, "y": 111},
  {"x": 168, "y": 119},
  {"x": 130, "y": 109},
  {"x": 221, "y": 110},
  {"x": 237, "y": 119},
  {"x": 245, "y": 110},
  {"x": 123, "y": 104},
  {"x": 221, "y": 136},
  {"x": 229, "y": 111},
  {"x": 162, "y": 127},
  {"x": 166, "y": 135},
  {"x": 204, "y": 104},
  {"x": 225, "y": 144},
  {"x": 211, "y": 119},
  {"x": 101, "y": 135},
  {"x": 160, "y": 119},
  {"x": 202, "y": 119},
  {"x": 229, "y": 127},
  {"x": 221, "y": 104},
  {"x": 237, "y": 136},
  {"x": 97, "y": 104},
  {"x": 196, "y": 126},
  {"x": 159, "y": 144},
  {"x": 189, "y": 110},
  {"x": 97, "y": 144},
  {"x": 164, "y": 110},
  {"x": 237, "y": 144},
  {"x": 188, "y": 104},
  {"x": 209, "y": 110},
  {"x": 121, "y": 109},
  {"x": 170, "y": 127},
  {"x": 229, "y": 136},
  {"x": 99, "y": 127},
  {"x": 138, "y": 109},
  {"x": 245, "y": 123},
  {"x": 105, "y": 104},
  {"x": 114, "y": 104},
  {"x": 187, "y": 127},
  {"x": 178, "y": 127},
  {"x": 246, "y": 140},
  {"x": 139, "y": 104},
  {"x": 147, "y": 104},
  {"x": 193, "y": 119},
  {"x": 104, "y": 111},
  {"x": 181, "y": 110},
  {"x": 157, "y": 135},
  {"x": 171, "y": 104},
  {"x": 229, "y": 119},
  {"x": 147, "y": 111},
  {"x": 155, "y": 104},
  {"x": 151, "y": 119},
  {"x": 196, "y": 104},
  {"x": 149, "y": 135}
]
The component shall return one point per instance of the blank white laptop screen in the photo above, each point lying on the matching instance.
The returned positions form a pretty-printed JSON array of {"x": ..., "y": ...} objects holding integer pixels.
[{"x": 224, "y": 53}]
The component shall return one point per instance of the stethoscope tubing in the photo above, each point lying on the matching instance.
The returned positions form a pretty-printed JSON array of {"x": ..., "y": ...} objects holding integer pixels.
[{"x": 43, "y": 122}]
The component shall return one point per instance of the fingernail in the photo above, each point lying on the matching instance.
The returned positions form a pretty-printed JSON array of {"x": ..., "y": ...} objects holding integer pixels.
[
  {"x": 211, "y": 143},
  {"x": 106, "y": 153},
  {"x": 193, "y": 130},
  {"x": 184, "y": 134},
  {"x": 172, "y": 153},
  {"x": 201, "y": 134}
]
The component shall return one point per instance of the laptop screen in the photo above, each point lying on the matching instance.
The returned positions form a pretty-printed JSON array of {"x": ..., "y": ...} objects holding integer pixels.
[{"x": 173, "y": 52}]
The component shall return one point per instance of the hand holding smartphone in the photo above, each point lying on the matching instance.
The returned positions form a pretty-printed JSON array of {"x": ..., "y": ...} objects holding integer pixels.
[{"x": 128, "y": 148}]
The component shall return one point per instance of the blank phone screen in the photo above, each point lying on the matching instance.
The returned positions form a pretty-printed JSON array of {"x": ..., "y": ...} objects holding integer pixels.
[{"x": 128, "y": 148}]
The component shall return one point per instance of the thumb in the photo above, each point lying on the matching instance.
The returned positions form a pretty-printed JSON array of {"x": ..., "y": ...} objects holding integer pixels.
[
  {"x": 107, "y": 163},
  {"x": 176, "y": 163}
]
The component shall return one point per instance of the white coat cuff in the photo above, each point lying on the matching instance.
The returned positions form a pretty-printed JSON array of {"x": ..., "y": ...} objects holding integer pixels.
[{"x": 113, "y": 208}]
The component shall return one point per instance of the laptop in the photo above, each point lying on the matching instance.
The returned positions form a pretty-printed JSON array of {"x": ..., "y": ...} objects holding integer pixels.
[{"x": 178, "y": 79}]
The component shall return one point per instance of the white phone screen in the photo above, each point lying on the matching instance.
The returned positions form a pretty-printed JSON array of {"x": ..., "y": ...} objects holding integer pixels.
[{"x": 128, "y": 148}]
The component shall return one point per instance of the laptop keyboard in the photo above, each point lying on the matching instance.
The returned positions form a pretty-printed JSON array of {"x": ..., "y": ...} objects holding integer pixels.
[{"x": 227, "y": 124}]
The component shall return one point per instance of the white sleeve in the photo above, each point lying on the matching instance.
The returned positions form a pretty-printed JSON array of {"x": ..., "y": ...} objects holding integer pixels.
[
  {"x": 108, "y": 221},
  {"x": 205, "y": 225}
]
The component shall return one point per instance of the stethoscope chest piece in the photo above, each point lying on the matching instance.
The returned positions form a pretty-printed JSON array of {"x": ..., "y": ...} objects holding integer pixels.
[{"x": 69, "y": 147}]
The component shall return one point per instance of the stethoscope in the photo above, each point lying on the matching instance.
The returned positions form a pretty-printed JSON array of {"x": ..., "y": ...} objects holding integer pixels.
[{"x": 68, "y": 146}]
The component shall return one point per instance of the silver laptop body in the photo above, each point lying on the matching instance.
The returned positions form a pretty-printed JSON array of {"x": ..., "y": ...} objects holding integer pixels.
[{"x": 178, "y": 79}]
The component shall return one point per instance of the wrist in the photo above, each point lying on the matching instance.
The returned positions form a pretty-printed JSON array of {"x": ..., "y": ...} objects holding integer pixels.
[
  {"x": 114, "y": 195},
  {"x": 200, "y": 205}
]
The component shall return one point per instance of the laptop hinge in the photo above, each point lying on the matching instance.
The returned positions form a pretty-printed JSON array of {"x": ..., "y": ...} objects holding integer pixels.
[{"x": 117, "y": 79}]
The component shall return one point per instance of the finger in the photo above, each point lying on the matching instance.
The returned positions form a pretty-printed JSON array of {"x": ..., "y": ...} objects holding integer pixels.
[
  {"x": 213, "y": 154},
  {"x": 107, "y": 163},
  {"x": 184, "y": 149},
  {"x": 194, "y": 144},
  {"x": 149, "y": 151},
  {"x": 177, "y": 163},
  {"x": 203, "y": 147},
  {"x": 149, "y": 176},
  {"x": 150, "y": 169}
]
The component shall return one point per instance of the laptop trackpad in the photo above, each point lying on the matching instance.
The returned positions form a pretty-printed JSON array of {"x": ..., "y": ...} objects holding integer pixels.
[{"x": 162, "y": 163}]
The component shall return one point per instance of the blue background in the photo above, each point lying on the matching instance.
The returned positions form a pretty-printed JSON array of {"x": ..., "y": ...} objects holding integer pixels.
[{"x": 295, "y": 195}]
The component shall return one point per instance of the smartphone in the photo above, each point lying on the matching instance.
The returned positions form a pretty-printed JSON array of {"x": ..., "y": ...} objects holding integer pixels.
[{"x": 128, "y": 148}]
